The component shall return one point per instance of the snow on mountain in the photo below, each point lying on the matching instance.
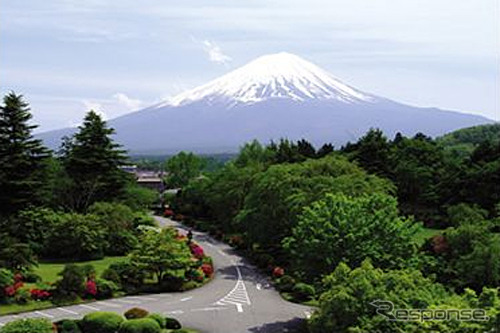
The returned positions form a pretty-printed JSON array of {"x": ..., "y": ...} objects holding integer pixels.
[
  {"x": 275, "y": 96},
  {"x": 281, "y": 75}
]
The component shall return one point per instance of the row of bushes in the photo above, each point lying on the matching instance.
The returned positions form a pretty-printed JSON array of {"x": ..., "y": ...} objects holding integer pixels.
[{"x": 135, "y": 320}]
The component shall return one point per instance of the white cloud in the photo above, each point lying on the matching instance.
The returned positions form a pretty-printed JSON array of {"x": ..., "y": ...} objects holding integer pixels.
[
  {"x": 129, "y": 103},
  {"x": 215, "y": 54}
]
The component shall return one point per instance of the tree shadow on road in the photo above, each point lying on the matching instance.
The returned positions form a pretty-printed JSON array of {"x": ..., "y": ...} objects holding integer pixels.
[{"x": 295, "y": 325}]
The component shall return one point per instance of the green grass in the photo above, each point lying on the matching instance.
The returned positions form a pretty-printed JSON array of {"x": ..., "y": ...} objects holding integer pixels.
[
  {"x": 425, "y": 234},
  {"x": 48, "y": 270},
  {"x": 16, "y": 308}
]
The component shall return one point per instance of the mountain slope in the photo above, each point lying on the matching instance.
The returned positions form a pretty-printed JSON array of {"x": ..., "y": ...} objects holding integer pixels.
[{"x": 274, "y": 96}]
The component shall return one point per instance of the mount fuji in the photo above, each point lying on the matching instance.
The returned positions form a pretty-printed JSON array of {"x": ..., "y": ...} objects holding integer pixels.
[{"x": 275, "y": 96}]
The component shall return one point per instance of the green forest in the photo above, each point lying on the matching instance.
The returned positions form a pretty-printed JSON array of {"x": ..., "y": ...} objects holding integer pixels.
[{"x": 411, "y": 220}]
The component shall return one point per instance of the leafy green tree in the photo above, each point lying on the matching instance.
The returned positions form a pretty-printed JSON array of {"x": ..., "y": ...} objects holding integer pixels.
[
  {"x": 92, "y": 161},
  {"x": 352, "y": 296},
  {"x": 182, "y": 168},
  {"x": 349, "y": 230},
  {"x": 21, "y": 156},
  {"x": 161, "y": 254},
  {"x": 279, "y": 194},
  {"x": 464, "y": 213},
  {"x": 254, "y": 153},
  {"x": 76, "y": 236}
]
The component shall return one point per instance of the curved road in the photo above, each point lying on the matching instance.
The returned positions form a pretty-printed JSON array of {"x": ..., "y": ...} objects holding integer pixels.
[{"x": 238, "y": 299}]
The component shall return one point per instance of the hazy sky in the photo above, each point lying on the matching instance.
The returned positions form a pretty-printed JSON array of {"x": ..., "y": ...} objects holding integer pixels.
[{"x": 67, "y": 56}]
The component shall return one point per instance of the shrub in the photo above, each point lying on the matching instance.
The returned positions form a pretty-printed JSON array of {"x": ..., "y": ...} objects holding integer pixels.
[
  {"x": 32, "y": 277},
  {"x": 101, "y": 322},
  {"x": 136, "y": 313},
  {"x": 285, "y": 283},
  {"x": 143, "y": 325},
  {"x": 90, "y": 289},
  {"x": 112, "y": 275},
  {"x": 6, "y": 280},
  {"x": 39, "y": 294},
  {"x": 207, "y": 269},
  {"x": 172, "y": 324},
  {"x": 68, "y": 326},
  {"x": 159, "y": 319},
  {"x": 72, "y": 283},
  {"x": 303, "y": 292},
  {"x": 105, "y": 289},
  {"x": 30, "y": 325},
  {"x": 22, "y": 295},
  {"x": 130, "y": 276},
  {"x": 121, "y": 243}
]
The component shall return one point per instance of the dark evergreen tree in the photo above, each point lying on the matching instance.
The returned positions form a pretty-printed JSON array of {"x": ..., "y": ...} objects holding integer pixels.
[
  {"x": 306, "y": 149},
  {"x": 326, "y": 149},
  {"x": 22, "y": 158},
  {"x": 92, "y": 161},
  {"x": 372, "y": 152}
]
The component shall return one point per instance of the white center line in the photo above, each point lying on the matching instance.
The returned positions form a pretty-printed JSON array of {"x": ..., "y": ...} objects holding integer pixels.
[
  {"x": 112, "y": 305},
  {"x": 67, "y": 311},
  {"x": 89, "y": 307},
  {"x": 186, "y": 298},
  {"x": 46, "y": 315}
]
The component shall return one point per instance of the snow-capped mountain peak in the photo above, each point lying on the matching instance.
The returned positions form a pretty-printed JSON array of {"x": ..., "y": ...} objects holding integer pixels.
[{"x": 281, "y": 75}]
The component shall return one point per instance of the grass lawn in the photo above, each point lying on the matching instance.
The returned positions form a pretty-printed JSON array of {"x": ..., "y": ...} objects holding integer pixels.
[
  {"x": 15, "y": 308},
  {"x": 48, "y": 270},
  {"x": 425, "y": 234}
]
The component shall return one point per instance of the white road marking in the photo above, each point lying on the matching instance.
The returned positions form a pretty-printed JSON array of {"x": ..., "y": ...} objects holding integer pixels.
[
  {"x": 90, "y": 307},
  {"x": 111, "y": 305},
  {"x": 175, "y": 312},
  {"x": 144, "y": 298},
  {"x": 258, "y": 286},
  {"x": 210, "y": 309},
  {"x": 46, "y": 315},
  {"x": 126, "y": 301},
  {"x": 238, "y": 295},
  {"x": 221, "y": 252},
  {"x": 308, "y": 314},
  {"x": 67, "y": 311},
  {"x": 186, "y": 298}
]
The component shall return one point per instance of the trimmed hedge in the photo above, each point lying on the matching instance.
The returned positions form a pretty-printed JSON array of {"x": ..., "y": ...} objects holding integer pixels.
[
  {"x": 172, "y": 324},
  {"x": 31, "y": 325},
  {"x": 136, "y": 313},
  {"x": 159, "y": 319},
  {"x": 142, "y": 325},
  {"x": 101, "y": 322}
]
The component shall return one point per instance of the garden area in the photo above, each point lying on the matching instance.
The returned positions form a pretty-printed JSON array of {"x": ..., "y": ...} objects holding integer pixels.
[
  {"x": 135, "y": 320},
  {"x": 75, "y": 227}
]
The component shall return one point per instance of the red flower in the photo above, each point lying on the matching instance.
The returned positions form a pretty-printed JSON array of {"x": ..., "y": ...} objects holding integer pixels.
[
  {"x": 10, "y": 291},
  {"x": 168, "y": 213},
  {"x": 91, "y": 288},
  {"x": 278, "y": 272},
  {"x": 207, "y": 269},
  {"x": 38, "y": 294},
  {"x": 197, "y": 250},
  {"x": 18, "y": 285}
]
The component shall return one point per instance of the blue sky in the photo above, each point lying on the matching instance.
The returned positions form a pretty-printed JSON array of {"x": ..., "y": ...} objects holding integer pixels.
[{"x": 67, "y": 56}]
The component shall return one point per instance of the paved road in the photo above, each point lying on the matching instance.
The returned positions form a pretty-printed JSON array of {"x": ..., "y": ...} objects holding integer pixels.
[{"x": 239, "y": 299}]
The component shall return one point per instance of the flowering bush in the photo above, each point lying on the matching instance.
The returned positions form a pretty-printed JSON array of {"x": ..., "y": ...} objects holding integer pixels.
[
  {"x": 9, "y": 291},
  {"x": 39, "y": 294},
  {"x": 91, "y": 288},
  {"x": 196, "y": 250},
  {"x": 278, "y": 272},
  {"x": 168, "y": 213},
  {"x": 207, "y": 269}
]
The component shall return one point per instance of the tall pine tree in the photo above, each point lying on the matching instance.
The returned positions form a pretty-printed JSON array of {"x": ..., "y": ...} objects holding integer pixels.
[
  {"x": 92, "y": 161},
  {"x": 22, "y": 158}
]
